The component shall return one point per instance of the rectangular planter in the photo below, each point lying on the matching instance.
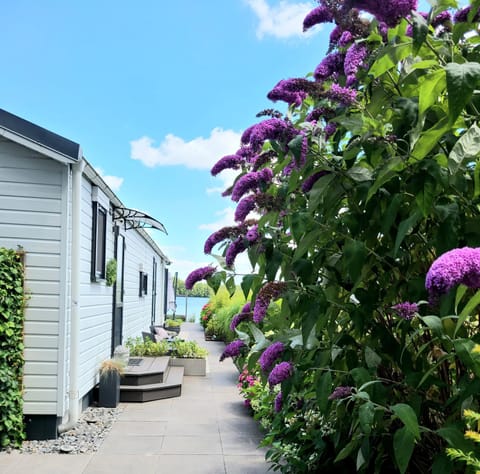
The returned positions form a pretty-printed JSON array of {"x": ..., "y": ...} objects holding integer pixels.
[{"x": 191, "y": 366}]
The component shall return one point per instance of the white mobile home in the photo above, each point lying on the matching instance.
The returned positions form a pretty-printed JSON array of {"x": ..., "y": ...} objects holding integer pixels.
[{"x": 59, "y": 211}]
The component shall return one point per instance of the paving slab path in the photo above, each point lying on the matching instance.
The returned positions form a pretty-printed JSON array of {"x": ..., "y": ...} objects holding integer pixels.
[{"x": 205, "y": 431}]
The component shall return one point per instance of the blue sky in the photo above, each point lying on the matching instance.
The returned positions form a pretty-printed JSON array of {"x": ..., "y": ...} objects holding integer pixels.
[{"x": 155, "y": 92}]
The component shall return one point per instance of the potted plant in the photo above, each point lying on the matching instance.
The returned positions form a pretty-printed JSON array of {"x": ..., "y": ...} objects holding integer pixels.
[
  {"x": 109, "y": 386},
  {"x": 172, "y": 325},
  {"x": 190, "y": 356}
]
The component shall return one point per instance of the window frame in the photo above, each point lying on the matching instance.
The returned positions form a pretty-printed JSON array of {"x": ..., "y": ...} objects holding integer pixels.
[{"x": 99, "y": 249}]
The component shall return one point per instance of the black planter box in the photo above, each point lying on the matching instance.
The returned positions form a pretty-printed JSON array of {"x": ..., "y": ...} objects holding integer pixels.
[{"x": 109, "y": 390}]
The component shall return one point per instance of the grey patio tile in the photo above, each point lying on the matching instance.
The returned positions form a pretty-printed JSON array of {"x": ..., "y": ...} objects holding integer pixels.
[
  {"x": 121, "y": 444},
  {"x": 208, "y": 444},
  {"x": 190, "y": 464},
  {"x": 246, "y": 465},
  {"x": 233, "y": 443},
  {"x": 145, "y": 428},
  {"x": 45, "y": 463},
  {"x": 187, "y": 428},
  {"x": 123, "y": 464}
]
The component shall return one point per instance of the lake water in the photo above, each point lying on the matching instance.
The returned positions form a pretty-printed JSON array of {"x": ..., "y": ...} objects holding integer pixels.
[{"x": 190, "y": 306}]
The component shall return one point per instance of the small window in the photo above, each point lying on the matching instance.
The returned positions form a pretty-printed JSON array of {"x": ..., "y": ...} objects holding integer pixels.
[
  {"x": 99, "y": 241},
  {"x": 143, "y": 284}
]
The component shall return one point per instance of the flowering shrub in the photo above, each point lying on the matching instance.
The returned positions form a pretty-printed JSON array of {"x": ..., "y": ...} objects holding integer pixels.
[
  {"x": 370, "y": 176},
  {"x": 206, "y": 314}
]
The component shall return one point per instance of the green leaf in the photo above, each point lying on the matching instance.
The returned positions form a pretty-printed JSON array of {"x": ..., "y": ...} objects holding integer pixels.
[
  {"x": 403, "y": 444},
  {"x": 366, "y": 415},
  {"x": 429, "y": 139},
  {"x": 467, "y": 148},
  {"x": 462, "y": 79},
  {"x": 420, "y": 31},
  {"x": 246, "y": 284},
  {"x": 424, "y": 197},
  {"x": 431, "y": 87},
  {"x": 323, "y": 389},
  {"x": 408, "y": 417},
  {"x": 354, "y": 254},
  {"x": 231, "y": 286},
  {"x": 389, "y": 58},
  {"x": 473, "y": 302},
  {"x": 434, "y": 323},
  {"x": 372, "y": 359},
  {"x": 359, "y": 174},
  {"x": 461, "y": 290},
  {"x": 463, "y": 348},
  {"x": 389, "y": 170},
  {"x": 260, "y": 340},
  {"x": 405, "y": 228},
  {"x": 348, "y": 449},
  {"x": 319, "y": 189}
]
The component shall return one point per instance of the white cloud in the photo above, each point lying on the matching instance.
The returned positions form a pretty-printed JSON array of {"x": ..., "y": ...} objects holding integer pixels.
[
  {"x": 281, "y": 21},
  {"x": 227, "y": 177},
  {"x": 113, "y": 182},
  {"x": 199, "y": 153},
  {"x": 226, "y": 219}
]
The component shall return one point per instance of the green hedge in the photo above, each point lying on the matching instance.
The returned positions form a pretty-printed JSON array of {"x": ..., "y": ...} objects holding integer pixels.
[{"x": 12, "y": 304}]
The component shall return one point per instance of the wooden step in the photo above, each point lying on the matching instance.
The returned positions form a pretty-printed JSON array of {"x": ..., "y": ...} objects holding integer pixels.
[
  {"x": 145, "y": 370},
  {"x": 171, "y": 387}
]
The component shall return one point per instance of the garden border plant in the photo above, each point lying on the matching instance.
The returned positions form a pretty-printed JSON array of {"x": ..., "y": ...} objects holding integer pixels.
[
  {"x": 371, "y": 175},
  {"x": 12, "y": 305}
]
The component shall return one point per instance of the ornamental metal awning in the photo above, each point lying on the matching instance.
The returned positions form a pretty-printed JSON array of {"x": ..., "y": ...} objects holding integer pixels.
[{"x": 134, "y": 219}]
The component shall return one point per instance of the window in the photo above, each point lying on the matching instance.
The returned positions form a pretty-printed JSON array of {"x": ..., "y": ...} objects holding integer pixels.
[
  {"x": 99, "y": 241},
  {"x": 143, "y": 284}
]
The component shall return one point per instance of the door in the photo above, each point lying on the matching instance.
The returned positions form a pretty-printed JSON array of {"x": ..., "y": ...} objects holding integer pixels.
[
  {"x": 118, "y": 290},
  {"x": 154, "y": 290}
]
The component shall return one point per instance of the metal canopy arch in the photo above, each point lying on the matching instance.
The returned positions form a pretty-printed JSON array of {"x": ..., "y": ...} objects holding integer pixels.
[{"x": 135, "y": 219}]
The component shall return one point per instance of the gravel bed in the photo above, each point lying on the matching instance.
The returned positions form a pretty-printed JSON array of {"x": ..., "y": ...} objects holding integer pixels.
[{"x": 94, "y": 423}]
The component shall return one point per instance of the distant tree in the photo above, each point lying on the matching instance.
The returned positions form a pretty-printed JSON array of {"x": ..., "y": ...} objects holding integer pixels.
[{"x": 200, "y": 289}]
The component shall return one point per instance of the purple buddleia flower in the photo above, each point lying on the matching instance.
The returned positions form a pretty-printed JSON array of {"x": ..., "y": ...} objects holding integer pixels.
[
  {"x": 251, "y": 181},
  {"x": 270, "y": 129},
  {"x": 461, "y": 16},
  {"x": 227, "y": 162},
  {"x": 390, "y": 12},
  {"x": 303, "y": 149},
  {"x": 330, "y": 129},
  {"x": 238, "y": 318},
  {"x": 236, "y": 247},
  {"x": 406, "y": 310},
  {"x": 199, "y": 274},
  {"x": 354, "y": 60},
  {"x": 244, "y": 207},
  {"x": 270, "y": 355},
  {"x": 318, "y": 15},
  {"x": 340, "y": 392},
  {"x": 229, "y": 232},
  {"x": 345, "y": 39},
  {"x": 441, "y": 18},
  {"x": 318, "y": 113},
  {"x": 311, "y": 180},
  {"x": 330, "y": 66},
  {"x": 291, "y": 91},
  {"x": 335, "y": 35},
  {"x": 253, "y": 235},
  {"x": 280, "y": 372},
  {"x": 233, "y": 349},
  {"x": 343, "y": 95},
  {"x": 270, "y": 291},
  {"x": 247, "y": 307},
  {"x": 246, "y": 153},
  {"x": 457, "y": 266},
  {"x": 278, "y": 402}
]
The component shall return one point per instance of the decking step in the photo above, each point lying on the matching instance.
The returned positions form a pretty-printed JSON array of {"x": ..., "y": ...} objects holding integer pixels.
[
  {"x": 145, "y": 371},
  {"x": 171, "y": 387}
]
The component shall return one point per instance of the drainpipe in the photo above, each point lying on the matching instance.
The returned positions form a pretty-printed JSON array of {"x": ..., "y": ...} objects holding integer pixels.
[{"x": 73, "y": 397}]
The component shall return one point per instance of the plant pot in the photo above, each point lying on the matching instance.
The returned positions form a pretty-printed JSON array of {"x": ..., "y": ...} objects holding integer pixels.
[
  {"x": 191, "y": 366},
  {"x": 109, "y": 390}
]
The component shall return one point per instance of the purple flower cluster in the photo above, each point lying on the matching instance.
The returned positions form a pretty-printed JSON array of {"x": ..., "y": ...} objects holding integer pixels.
[
  {"x": 340, "y": 392},
  {"x": 344, "y": 40},
  {"x": 331, "y": 65},
  {"x": 252, "y": 234},
  {"x": 238, "y": 318},
  {"x": 311, "y": 180},
  {"x": 270, "y": 355},
  {"x": 280, "y": 372},
  {"x": 235, "y": 248},
  {"x": 227, "y": 162},
  {"x": 291, "y": 91},
  {"x": 452, "y": 268},
  {"x": 442, "y": 18},
  {"x": 270, "y": 291},
  {"x": 251, "y": 181},
  {"x": 330, "y": 129},
  {"x": 230, "y": 232},
  {"x": 270, "y": 129},
  {"x": 406, "y": 310},
  {"x": 199, "y": 274},
  {"x": 343, "y": 95},
  {"x": 233, "y": 349},
  {"x": 354, "y": 59},
  {"x": 461, "y": 16},
  {"x": 317, "y": 114},
  {"x": 318, "y": 15},
  {"x": 244, "y": 207},
  {"x": 278, "y": 402},
  {"x": 390, "y": 12}
]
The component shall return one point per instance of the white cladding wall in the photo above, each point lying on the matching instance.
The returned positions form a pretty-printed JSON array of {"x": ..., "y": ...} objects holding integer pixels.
[
  {"x": 34, "y": 215},
  {"x": 96, "y": 301}
]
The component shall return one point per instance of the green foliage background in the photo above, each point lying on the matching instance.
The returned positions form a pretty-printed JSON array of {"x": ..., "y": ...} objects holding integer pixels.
[{"x": 12, "y": 303}]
